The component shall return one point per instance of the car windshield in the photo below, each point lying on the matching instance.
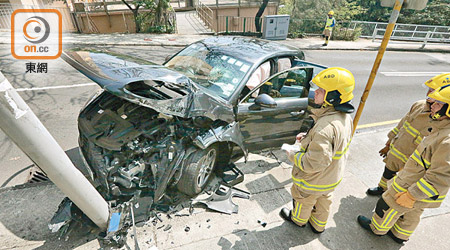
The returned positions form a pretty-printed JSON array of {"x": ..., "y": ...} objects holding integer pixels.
[{"x": 217, "y": 72}]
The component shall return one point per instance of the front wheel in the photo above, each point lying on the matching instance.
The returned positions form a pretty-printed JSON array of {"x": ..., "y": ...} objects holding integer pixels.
[{"x": 198, "y": 171}]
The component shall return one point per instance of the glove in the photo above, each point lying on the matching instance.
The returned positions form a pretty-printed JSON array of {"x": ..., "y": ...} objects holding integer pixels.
[
  {"x": 405, "y": 199},
  {"x": 383, "y": 152}
]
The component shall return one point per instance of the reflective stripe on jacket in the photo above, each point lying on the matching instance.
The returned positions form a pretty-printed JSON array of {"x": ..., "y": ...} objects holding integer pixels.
[
  {"x": 408, "y": 133},
  {"x": 319, "y": 166},
  {"x": 330, "y": 23},
  {"x": 427, "y": 172}
]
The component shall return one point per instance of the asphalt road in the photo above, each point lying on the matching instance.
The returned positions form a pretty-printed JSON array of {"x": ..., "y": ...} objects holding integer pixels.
[{"x": 57, "y": 96}]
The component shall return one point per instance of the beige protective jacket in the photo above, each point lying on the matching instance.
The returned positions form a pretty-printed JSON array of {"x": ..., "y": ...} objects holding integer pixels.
[
  {"x": 408, "y": 134},
  {"x": 319, "y": 166},
  {"x": 427, "y": 172}
]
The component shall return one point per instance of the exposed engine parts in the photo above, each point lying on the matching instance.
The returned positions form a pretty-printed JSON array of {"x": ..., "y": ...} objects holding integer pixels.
[{"x": 132, "y": 150}]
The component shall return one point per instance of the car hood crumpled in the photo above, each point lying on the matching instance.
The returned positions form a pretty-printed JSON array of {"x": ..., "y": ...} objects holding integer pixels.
[{"x": 116, "y": 72}]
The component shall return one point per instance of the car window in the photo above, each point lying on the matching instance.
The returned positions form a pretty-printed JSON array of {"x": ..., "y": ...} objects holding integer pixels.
[
  {"x": 292, "y": 83},
  {"x": 218, "y": 73}
]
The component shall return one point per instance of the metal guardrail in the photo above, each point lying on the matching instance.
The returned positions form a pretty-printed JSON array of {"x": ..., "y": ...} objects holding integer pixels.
[
  {"x": 412, "y": 32},
  {"x": 428, "y": 36},
  {"x": 205, "y": 14},
  {"x": 110, "y": 6},
  {"x": 234, "y": 24},
  {"x": 6, "y": 11}
]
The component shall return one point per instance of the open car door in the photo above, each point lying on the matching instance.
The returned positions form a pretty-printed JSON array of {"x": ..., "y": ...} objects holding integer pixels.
[{"x": 274, "y": 112}]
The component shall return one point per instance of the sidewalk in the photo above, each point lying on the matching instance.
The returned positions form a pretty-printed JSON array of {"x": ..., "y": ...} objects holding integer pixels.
[
  {"x": 312, "y": 43},
  {"x": 26, "y": 210}
]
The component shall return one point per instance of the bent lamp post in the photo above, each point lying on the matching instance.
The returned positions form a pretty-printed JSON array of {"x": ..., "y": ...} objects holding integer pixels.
[{"x": 28, "y": 133}]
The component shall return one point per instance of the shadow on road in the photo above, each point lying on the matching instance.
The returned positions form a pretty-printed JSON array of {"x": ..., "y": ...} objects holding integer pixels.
[
  {"x": 27, "y": 214},
  {"x": 74, "y": 155},
  {"x": 346, "y": 234}
]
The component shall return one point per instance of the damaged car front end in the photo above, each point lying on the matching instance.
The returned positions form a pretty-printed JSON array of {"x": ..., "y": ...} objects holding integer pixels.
[{"x": 151, "y": 128}]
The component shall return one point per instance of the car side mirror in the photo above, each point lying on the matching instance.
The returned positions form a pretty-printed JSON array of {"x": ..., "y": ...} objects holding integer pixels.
[{"x": 266, "y": 101}]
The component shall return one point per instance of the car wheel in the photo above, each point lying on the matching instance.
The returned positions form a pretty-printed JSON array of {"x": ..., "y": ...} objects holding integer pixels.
[{"x": 198, "y": 171}]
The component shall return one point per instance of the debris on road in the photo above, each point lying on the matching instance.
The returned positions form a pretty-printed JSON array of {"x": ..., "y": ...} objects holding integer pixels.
[{"x": 221, "y": 199}]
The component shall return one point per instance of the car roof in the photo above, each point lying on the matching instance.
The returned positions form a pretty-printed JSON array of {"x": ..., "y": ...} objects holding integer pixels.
[{"x": 249, "y": 49}]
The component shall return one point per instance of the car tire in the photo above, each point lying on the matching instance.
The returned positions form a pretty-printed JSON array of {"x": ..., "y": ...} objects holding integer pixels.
[{"x": 199, "y": 169}]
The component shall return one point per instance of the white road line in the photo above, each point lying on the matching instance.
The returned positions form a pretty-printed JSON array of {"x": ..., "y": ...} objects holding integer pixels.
[
  {"x": 57, "y": 87},
  {"x": 411, "y": 73}
]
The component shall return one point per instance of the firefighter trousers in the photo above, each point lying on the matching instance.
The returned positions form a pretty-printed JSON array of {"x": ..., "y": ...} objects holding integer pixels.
[
  {"x": 387, "y": 175},
  {"x": 389, "y": 215},
  {"x": 312, "y": 208}
]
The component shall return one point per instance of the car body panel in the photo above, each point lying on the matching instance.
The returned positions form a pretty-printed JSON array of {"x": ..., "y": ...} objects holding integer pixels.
[{"x": 188, "y": 116}]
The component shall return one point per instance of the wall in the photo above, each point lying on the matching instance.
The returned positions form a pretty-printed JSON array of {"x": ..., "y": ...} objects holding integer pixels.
[
  {"x": 120, "y": 21},
  {"x": 233, "y": 11}
]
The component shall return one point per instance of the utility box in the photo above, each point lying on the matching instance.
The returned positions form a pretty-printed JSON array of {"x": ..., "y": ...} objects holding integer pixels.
[{"x": 275, "y": 27}]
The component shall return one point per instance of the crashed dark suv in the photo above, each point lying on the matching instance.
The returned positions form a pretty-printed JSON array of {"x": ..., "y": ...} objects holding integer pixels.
[{"x": 154, "y": 127}]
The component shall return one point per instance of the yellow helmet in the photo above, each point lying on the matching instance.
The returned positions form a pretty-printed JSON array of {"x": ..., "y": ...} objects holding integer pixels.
[
  {"x": 442, "y": 94},
  {"x": 438, "y": 81},
  {"x": 338, "y": 84},
  {"x": 331, "y": 12}
]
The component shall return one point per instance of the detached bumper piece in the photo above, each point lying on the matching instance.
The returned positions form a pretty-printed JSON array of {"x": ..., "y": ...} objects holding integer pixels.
[{"x": 221, "y": 199}]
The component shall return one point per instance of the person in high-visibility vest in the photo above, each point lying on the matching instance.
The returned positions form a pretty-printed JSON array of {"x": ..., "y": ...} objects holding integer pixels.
[{"x": 330, "y": 23}]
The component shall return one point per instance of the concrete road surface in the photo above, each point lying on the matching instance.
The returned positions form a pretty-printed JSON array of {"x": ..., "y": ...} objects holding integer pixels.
[{"x": 57, "y": 96}]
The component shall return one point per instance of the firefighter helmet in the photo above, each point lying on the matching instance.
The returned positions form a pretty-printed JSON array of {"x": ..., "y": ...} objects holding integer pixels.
[
  {"x": 438, "y": 81},
  {"x": 338, "y": 84},
  {"x": 442, "y": 94}
]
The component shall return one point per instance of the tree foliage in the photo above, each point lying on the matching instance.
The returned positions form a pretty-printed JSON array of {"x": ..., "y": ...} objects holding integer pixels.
[
  {"x": 436, "y": 12},
  {"x": 154, "y": 20}
]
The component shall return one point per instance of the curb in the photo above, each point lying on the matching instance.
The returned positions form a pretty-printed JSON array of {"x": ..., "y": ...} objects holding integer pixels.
[
  {"x": 70, "y": 44},
  {"x": 186, "y": 44}
]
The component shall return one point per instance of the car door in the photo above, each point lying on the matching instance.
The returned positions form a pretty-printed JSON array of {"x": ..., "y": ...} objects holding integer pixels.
[{"x": 264, "y": 127}]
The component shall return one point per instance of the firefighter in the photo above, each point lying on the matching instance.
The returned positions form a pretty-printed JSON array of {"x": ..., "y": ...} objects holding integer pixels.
[
  {"x": 424, "y": 181},
  {"x": 320, "y": 155},
  {"x": 405, "y": 137},
  {"x": 329, "y": 24}
]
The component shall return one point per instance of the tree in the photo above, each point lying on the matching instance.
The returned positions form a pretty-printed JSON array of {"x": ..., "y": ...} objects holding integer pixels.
[
  {"x": 436, "y": 13},
  {"x": 259, "y": 14},
  {"x": 156, "y": 17},
  {"x": 135, "y": 10}
]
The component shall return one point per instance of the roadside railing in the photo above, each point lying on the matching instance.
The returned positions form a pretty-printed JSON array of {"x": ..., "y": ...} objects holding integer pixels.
[
  {"x": 234, "y": 24},
  {"x": 6, "y": 11},
  {"x": 403, "y": 31},
  {"x": 205, "y": 14},
  {"x": 421, "y": 36}
]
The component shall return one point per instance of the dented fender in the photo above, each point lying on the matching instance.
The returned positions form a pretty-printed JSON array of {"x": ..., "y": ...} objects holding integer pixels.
[{"x": 226, "y": 133}]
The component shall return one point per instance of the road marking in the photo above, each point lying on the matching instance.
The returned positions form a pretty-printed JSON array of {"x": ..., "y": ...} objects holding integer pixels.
[
  {"x": 411, "y": 73},
  {"x": 57, "y": 87},
  {"x": 370, "y": 125},
  {"x": 92, "y": 84}
]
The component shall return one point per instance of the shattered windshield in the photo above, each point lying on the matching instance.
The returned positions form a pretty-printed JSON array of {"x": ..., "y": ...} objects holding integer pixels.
[{"x": 213, "y": 70}]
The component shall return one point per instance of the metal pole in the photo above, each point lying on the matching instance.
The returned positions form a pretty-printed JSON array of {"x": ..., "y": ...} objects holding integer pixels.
[
  {"x": 25, "y": 129},
  {"x": 376, "y": 64}
]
